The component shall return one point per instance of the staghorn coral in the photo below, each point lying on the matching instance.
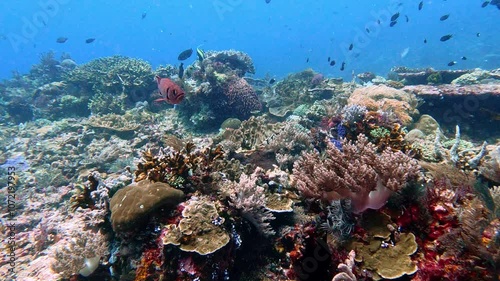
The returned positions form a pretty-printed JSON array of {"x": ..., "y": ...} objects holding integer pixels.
[
  {"x": 388, "y": 99},
  {"x": 357, "y": 173}
]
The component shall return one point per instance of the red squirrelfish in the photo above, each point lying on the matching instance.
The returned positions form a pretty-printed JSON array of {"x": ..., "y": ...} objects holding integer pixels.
[{"x": 169, "y": 91}]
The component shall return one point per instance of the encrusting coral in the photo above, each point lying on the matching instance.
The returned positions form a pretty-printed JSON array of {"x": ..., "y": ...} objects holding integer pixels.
[
  {"x": 354, "y": 172},
  {"x": 200, "y": 230}
]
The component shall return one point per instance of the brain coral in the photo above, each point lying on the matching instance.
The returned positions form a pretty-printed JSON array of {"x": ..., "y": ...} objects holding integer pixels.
[
  {"x": 137, "y": 200},
  {"x": 241, "y": 97}
]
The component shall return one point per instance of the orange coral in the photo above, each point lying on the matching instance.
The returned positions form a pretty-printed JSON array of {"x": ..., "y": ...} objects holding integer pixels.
[{"x": 387, "y": 99}]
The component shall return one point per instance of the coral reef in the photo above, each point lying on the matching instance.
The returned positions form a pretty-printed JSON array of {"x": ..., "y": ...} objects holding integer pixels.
[{"x": 108, "y": 78}]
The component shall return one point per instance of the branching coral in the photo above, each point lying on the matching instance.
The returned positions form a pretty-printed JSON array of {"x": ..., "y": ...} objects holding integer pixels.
[
  {"x": 357, "y": 173},
  {"x": 177, "y": 167}
]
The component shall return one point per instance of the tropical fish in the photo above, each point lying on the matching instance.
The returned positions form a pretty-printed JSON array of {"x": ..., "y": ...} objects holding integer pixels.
[
  {"x": 181, "y": 70},
  {"x": 393, "y": 23},
  {"x": 452, "y": 63},
  {"x": 351, "y": 46},
  {"x": 407, "y": 18},
  {"x": 446, "y": 37},
  {"x": 420, "y": 5},
  {"x": 332, "y": 63},
  {"x": 425, "y": 41},
  {"x": 184, "y": 55},
  {"x": 464, "y": 58},
  {"x": 342, "y": 67},
  {"x": 485, "y": 4},
  {"x": 143, "y": 16},
  {"x": 445, "y": 17},
  {"x": 90, "y": 40},
  {"x": 478, "y": 34},
  {"x": 329, "y": 59},
  {"x": 268, "y": 1},
  {"x": 61, "y": 39},
  {"x": 307, "y": 60},
  {"x": 170, "y": 92},
  {"x": 395, "y": 17},
  {"x": 272, "y": 81},
  {"x": 200, "y": 53}
]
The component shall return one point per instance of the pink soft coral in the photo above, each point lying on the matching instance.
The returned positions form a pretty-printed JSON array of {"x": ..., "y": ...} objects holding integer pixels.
[{"x": 357, "y": 173}]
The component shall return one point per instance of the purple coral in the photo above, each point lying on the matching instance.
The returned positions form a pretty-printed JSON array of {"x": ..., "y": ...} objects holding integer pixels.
[
  {"x": 317, "y": 79},
  {"x": 357, "y": 173},
  {"x": 241, "y": 97}
]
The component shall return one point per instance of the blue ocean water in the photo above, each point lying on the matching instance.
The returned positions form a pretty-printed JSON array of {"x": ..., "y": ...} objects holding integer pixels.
[{"x": 281, "y": 36}]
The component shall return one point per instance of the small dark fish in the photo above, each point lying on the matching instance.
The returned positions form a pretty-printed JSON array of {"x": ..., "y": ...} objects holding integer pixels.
[
  {"x": 407, "y": 18},
  {"x": 446, "y": 37},
  {"x": 143, "y": 16},
  {"x": 90, "y": 40},
  {"x": 395, "y": 17},
  {"x": 464, "y": 58},
  {"x": 332, "y": 63},
  {"x": 420, "y": 5},
  {"x": 44, "y": 23},
  {"x": 342, "y": 67},
  {"x": 393, "y": 23},
  {"x": 268, "y": 1},
  {"x": 378, "y": 21},
  {"x": 452, "y": 63},
  {"x": 307, "y": 60},
  {"x": 61, "y": 40},
  {"x": 329, "y": 59},
  {"x": 351, "y": 46},
  {"x": 445, "y": 17},
  {"x": 272, "y": 81},
  {"x": 184, "y": 55},
  {"x": 425, "y": 41},
  {"x": 485, "y": 4},
  {"x": 181, "y": 70},
  {"x": 367, "y": 30},
  {"x": 478, "y": 34}
]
